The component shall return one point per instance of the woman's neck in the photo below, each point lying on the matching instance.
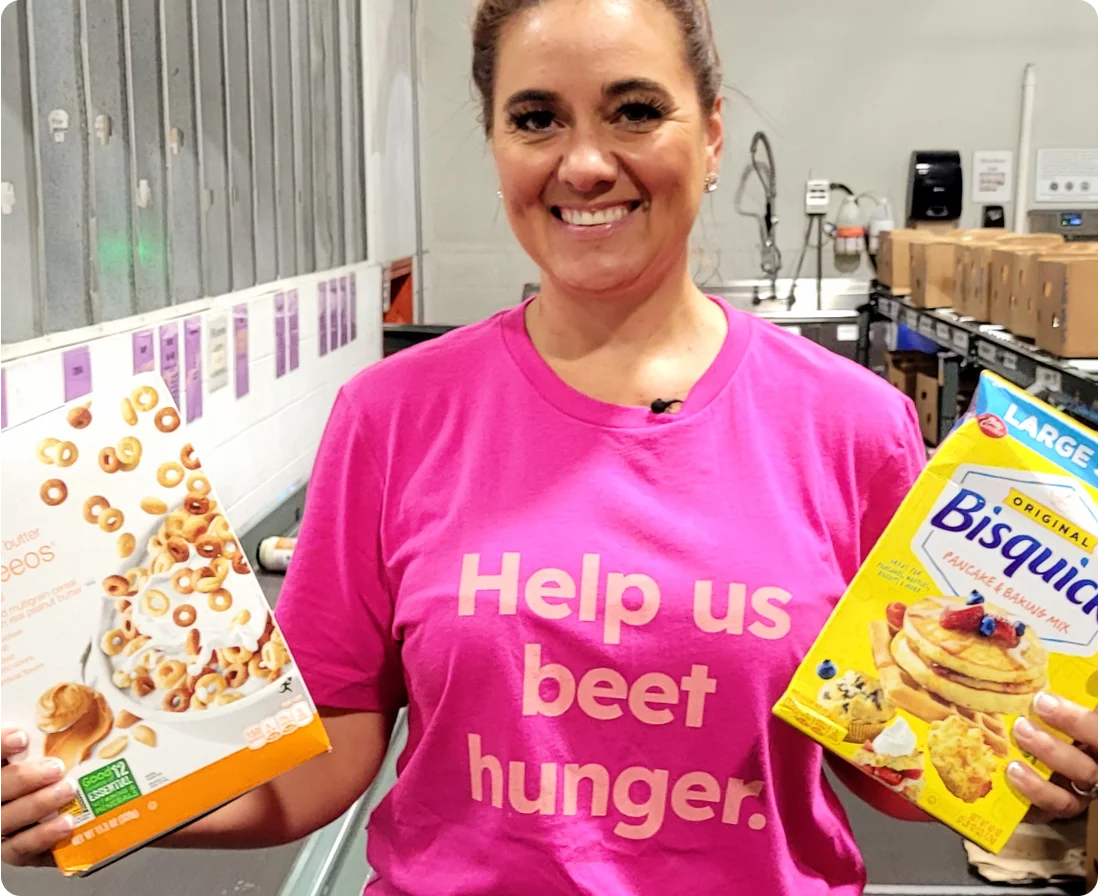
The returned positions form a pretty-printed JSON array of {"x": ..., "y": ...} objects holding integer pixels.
[
  {"x": 567, "y": 324},
  {"x": 628, "y": 349}
]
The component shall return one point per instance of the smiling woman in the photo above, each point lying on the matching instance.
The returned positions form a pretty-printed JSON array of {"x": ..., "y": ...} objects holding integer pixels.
[{"x": 604, "y": 148}]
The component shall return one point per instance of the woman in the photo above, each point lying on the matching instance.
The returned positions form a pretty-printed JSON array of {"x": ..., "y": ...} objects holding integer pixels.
[{"x": 588, "y": 607}]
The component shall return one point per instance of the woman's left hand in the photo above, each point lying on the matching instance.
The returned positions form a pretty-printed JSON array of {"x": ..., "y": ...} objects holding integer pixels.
[{"x": 1074, "y": 765}]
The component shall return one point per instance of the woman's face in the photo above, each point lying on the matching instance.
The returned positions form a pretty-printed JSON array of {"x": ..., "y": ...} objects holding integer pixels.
[{"x": 600, "y": 141}]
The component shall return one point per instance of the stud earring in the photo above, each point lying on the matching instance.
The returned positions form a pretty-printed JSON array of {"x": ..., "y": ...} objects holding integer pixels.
[
  {"x": 499, "y": 194},
  {"x": 712, "y": 181}
]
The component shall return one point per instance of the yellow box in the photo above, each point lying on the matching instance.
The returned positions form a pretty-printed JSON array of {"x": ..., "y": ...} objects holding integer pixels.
[
  {"x": 980, "y": 594},
  {"x": 138, "y": 646}
]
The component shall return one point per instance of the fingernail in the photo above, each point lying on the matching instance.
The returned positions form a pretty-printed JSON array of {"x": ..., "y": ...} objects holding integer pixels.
[
  {"x": 63, "y": 824},
  {"x": 1024, "y": 729},
  {"x": 66, "y": 790},
  {"x": 17, "y": 740},
  {"x": 1016, "y": 772},
  {"x": 51, "y": 769},
  {"x": 1046, "y": 704}
]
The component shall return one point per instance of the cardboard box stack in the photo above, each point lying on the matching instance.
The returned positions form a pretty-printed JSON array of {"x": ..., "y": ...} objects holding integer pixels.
[
  {"x": 937, "y": 267},
  {"x": 1003, "y": 269},
  {"x": 927, "y": 404},
  {"x": 932, "y": 273},
  {"x": 903, "y": 366},
  {"x": 894, "y": 258},
  {"x": 989, "y": 280},
  {"x": 1067, "y": 306},
  {"x": 1026, "y": 286}
]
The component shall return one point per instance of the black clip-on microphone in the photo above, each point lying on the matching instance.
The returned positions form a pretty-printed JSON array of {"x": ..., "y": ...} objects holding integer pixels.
[{"x": 662, "y": 406}]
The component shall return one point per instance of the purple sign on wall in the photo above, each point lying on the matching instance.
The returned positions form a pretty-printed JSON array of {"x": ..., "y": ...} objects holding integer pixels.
[
  {"x": 322, "y": 316},
  {"x": 192, "y": 361},
  {"x": 354, "y": 307},
  {"x": 294, "y": 332},
  {"x": 169, "y": 359},
  {"x": 280, "y": 335},
  {"x": 240, "y": 341},
  {"x": 344, "y": 311},
  {"x": 144, "y": 358},
  {"x": 333, "y": 314},
  {"x": 76, "y": 363}
]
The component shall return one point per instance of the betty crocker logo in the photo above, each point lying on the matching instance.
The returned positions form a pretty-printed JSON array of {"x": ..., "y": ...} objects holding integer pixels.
[{"x": 991, "y": 426}]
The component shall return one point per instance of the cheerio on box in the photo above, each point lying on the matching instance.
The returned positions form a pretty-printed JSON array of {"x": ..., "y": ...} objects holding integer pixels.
[
  {"x": 982, "y": 591},
  {"x": 138, "y": 647}
]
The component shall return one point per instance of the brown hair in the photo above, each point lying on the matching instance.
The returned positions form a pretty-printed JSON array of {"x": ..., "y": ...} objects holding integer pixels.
[{"x": 694, "y": 23}]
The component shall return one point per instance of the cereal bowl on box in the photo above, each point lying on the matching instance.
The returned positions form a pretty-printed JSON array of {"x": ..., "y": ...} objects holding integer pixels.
[{"x": 185, "y": 635}]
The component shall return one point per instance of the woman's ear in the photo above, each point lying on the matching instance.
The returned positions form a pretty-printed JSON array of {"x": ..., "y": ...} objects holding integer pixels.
[{"x": 714, "y": 136}]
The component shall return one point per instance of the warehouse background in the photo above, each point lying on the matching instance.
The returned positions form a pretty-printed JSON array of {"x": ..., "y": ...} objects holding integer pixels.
[{"x": 845, "y": 91}]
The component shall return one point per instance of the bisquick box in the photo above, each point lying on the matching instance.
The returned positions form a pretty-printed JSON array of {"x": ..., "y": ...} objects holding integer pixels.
[
  {"x": 982, "y": 591},
  {"x": 138, "y": 647}
]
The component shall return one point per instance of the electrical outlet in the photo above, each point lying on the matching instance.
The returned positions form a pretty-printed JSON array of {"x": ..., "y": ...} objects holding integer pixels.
[
  {"x": 7, "y": 205},
  {"x": 817, "y": 197}
]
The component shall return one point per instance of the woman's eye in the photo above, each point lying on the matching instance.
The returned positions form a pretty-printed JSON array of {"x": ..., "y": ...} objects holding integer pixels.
[
  {"x": 540, "y": 120},
  {"x": 639, "y": 113}
]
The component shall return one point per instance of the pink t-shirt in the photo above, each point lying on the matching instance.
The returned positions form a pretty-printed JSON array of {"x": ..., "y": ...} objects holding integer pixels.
[{"x": 590, "y": 610}]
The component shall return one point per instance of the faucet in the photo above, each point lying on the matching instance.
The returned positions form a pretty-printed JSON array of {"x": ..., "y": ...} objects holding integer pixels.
[{"x": 770, "y": 256}]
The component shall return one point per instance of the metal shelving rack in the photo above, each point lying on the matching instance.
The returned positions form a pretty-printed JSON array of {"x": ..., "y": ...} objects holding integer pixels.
[{"x": 1071, "y": 386}]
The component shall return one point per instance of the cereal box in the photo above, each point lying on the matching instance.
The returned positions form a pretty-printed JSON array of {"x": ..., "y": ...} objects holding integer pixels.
[
  {"x": 138, "y": 647},
  {"x": 982, "y": 592}
]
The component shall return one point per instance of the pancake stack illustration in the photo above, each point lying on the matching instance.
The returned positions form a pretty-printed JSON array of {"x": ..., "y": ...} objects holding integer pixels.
[{"x": 971, "y": 654}]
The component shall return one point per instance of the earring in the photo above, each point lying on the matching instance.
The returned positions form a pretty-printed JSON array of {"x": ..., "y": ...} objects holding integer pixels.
[
  {"x": 712, "y": 181},
  {"x": 499, "y": 194}
]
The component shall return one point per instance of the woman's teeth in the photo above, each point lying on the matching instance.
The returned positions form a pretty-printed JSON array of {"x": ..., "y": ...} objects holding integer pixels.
[{"x": 580, "y": 218}]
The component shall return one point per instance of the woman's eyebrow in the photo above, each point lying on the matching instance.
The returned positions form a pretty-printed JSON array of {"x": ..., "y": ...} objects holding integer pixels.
[
  {"x": 631, "y": 85},
  {"x": 533, "y": 96}
]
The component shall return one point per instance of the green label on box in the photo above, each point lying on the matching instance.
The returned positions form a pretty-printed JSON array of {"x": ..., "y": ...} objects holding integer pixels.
[{"x": 109, "y": 787}]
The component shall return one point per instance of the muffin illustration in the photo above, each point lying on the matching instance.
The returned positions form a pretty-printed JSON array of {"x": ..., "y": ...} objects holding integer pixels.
[{"x": 857, "y": 702}]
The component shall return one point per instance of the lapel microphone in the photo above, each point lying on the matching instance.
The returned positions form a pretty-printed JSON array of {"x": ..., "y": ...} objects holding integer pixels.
[{"x": 662, "y": 406}]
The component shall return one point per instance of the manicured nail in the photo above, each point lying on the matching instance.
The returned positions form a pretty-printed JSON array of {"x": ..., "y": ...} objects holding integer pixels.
[
  {"x": 17, "y": 740},
  {"x": 1017, "y": 773},
  {"x": 51, "y": 769},
  {"x": 1046, "y": 704},
  {"x": 62, "y": 825},
  {"x": 66, "y": 790},
  {"x": 1024, "y": 729}
]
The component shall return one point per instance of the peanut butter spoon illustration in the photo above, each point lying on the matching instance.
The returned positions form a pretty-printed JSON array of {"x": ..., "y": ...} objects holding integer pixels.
[{"x": 74, "y": 719}]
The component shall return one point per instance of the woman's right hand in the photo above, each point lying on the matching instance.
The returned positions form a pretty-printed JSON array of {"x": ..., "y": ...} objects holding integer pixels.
[{"x": 30, "y": 792}]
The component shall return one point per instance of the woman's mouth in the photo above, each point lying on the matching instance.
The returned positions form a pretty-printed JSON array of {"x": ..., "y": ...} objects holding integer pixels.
[{"x": 577, "y": 217}]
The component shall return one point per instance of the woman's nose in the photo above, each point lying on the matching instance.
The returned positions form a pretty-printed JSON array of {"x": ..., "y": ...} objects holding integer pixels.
[{"x": 586, "y": 164}]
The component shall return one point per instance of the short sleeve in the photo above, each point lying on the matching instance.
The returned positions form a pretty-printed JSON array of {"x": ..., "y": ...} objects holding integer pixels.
[
  {"x": 335, "y": 609},
  {"x": 892, "y": 480}
]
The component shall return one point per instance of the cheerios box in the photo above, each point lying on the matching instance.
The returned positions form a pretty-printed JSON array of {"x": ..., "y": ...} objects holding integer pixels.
[
  {"x": 982, "y": 592},
  {"x": 138, "y": 647}
]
